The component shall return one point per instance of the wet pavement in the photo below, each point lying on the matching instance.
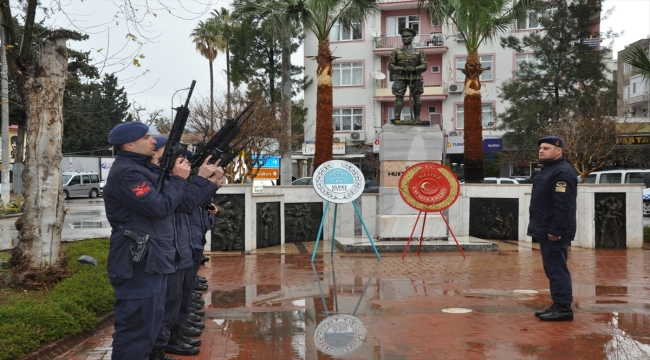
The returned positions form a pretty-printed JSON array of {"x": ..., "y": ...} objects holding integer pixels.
[{"x": 274, "y": 304}]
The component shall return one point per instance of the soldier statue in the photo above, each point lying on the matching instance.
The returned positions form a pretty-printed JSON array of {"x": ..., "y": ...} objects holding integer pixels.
[{"x": 406, "y": 65}]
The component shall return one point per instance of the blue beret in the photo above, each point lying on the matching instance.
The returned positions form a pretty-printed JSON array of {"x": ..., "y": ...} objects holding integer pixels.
[
  {"x": 160, "y": 141},
  {"x": 189, "y": 155},
  {"x": 127, "y": 132},
  {"x": 553, "y": 140}
]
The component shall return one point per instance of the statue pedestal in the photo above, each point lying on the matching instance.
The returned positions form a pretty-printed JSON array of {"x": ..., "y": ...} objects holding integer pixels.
[{"x": 401, "y": 147}]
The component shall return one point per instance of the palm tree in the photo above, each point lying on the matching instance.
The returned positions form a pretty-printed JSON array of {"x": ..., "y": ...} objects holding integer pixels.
[
  {"x": 477, "y": 21},
  {"x": 284, "y": 25},
  {"x": 319, "y": 16},
  {"x": 639, "y": 60},
  {"x": 223, "y": 24},
  {"x": 206, "y": 42}
]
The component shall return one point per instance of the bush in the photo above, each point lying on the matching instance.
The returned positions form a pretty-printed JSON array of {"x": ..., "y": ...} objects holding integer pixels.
[
  {"x": 646, "y": 233},
  {"x": 29, "y": 319}
]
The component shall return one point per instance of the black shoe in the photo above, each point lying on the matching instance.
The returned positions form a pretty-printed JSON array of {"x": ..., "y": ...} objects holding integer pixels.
[
  {"x": 197, "y": 312},
  {"x": 194, "y": 324},
  {"x": 204, "y": 260},
  {"x": 190, "y": 341},
  {"x": 545, "y": 311},
  {"x": 195, "y": 293},
  {"x": 194, "y": 317},
  {"x": 196, "y": 306},
  {"x": 201, "y": 279},
  {"x": 198, "y": 301},
  {"x": 181, "y": 348},
  {"x": 158, "y": 353},
  {"x": 559, "y": 313},
  {"x": 187, "y": 330},
  {"x": 200, "y": 287}
]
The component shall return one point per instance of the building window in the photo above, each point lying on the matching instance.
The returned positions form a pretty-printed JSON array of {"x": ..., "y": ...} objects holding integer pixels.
[
  {"x": 339, "y": 33},
  {"x": 486, "y": 61},
  {"x": 637, "y": 86},
  {"x": 406, "y": 113},
  {"x": 532, "y": 21},
  {"x": 487, "y": 115},
  {"x": 347, "y": 119},
  {"x": 521, "y": 59},
  {"x": 627, "y": 92},
  {"x": 347, "y": 74},
  {"x": 627, "y": 68},
  {"x": 394, "y": 24},
  {"x": 435, "y": 69},
  {"x": 432, "y": 110}
]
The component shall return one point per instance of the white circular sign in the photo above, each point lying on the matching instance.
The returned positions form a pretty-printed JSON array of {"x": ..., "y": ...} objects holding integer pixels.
[
  {"x": 338, "y": 181},
  {"x": 339, "y": 334}
]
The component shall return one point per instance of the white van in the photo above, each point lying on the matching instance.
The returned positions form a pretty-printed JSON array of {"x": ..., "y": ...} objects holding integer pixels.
[
  {"x": 80, "y": 184},
  {"x": 621, "y": 176}
]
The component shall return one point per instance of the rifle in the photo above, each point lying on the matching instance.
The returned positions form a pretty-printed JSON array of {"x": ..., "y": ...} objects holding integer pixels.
[
  {"x": 174, "y": 148},
  {"x": 219, "y": 145}
]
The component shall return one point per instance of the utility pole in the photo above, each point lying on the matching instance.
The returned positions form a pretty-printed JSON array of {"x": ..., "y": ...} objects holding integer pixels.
[{"x": 6, "y": 183}]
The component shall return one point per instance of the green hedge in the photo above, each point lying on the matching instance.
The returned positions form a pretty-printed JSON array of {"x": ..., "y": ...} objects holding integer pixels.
[
  {"x": 646, "y": 233},
  {"x": 29, "y": 319}
]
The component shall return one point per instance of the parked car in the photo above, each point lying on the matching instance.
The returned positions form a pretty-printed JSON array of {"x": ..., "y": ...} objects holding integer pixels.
[
  {"x": 77, "y": 184},
  {"x": 302, "y": 181},
  {"x": 620, "y": 176},
  {"x": 646, "y": 202},
  {"x": 497, "y": 180}
]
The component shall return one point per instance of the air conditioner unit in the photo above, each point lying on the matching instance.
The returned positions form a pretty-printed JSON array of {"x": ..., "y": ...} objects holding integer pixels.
[
  {"x": 336, "y": 139},
  {"x": 455, "y": 89},
  {"x": 460, "y": 37},
  {"x": 357, "y": 135},
  {"x": 631, "y": 110}
]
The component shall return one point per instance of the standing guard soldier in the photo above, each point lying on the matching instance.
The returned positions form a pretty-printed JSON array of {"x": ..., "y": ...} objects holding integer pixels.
[
  {"x": 142, "y": 251},
  {"x": 406, "y": 65}
]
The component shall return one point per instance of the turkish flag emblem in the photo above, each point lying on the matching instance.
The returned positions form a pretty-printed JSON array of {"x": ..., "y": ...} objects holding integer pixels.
[{"x": 141, "y": 189}]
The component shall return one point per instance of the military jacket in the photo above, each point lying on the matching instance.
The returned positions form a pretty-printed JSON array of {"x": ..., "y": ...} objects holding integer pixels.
[
  {"x": 193, "y": 196},
  {"x": 199, "y": 218},
  {"x": 407, "y": 56},
  {"x": 133, "y": 203},
  {"x": 553, "y": 201}
]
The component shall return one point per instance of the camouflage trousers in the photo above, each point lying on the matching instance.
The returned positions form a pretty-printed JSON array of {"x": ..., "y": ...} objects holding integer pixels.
[{"x": 399, "y": 87}]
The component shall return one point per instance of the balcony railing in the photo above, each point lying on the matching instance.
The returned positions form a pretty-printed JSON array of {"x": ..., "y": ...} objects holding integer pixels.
[
  {"x": 593, "y": 43},
  {"x": 434, "y": 39},
  {"x": 430, "y": 88}
]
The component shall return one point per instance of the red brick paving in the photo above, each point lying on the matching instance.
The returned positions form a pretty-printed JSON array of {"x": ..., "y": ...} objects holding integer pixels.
[{"x": 268, "y": 306}]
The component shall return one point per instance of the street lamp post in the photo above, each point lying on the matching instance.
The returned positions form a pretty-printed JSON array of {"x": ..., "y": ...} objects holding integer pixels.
[{"x": 172, "y": 116}]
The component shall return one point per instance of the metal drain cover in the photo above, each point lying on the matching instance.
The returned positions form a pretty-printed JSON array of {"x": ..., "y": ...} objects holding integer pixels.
[{"x": 456, "y": 311}]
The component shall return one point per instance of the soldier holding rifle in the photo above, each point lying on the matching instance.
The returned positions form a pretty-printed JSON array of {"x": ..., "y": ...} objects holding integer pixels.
[{"x": 406, "y": 65}]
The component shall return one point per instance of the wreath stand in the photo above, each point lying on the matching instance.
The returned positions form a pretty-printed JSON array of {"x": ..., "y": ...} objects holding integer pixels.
[{"x": 424, "y": 222}]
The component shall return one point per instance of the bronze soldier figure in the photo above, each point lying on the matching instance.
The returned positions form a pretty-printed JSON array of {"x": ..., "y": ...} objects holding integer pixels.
[{"x": 406, "y": 65}]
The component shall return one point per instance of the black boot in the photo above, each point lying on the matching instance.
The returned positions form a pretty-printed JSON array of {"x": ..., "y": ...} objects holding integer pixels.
[
  {"x": 197, "y": 312},
  {"x": 196, "y": 306},
  {"x": 187, "y": 330},
  {"x": 204, "y": 260},
  {"x": 198, "y": 301},
  {"x": 194, "y": 324},
  {"x": 179, "y": 332},
  {"x": 158, "y": 353},
  {"x": 194, "y": 317},
  {"x": 558, "y": 313},
  {"x": 201, "y": 279},
  {"x": 198, "y": 293},
  {"x": 176, "y": 344},
  {"x": 200, "y": 287},
  {"x": 545, "y": 311}
]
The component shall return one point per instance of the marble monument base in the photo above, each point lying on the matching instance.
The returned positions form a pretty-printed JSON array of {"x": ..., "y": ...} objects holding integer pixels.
[{"x": 467, "y": 243}]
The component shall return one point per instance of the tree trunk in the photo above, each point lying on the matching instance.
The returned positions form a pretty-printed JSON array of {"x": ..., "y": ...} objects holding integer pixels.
[
  {"x": 228, "y": 78},
  {"x": 324, "y": 105},
  {"x": 209, "y": 132},
  {"x": 285, "y": 135},
  {"x": 43, "y": 210},
  {"x": 474, "y": 166}
]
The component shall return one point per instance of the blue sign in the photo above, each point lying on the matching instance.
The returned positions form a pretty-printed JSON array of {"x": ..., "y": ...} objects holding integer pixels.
[
  {"x": 492, "y": 145},
  {"x": 272, "y": 162}
]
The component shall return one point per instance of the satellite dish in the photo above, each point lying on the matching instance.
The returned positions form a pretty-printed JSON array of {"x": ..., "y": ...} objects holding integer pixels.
[{"x": 377, "y": 75}]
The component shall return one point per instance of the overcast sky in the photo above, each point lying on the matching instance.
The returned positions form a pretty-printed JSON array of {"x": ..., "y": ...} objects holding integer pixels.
[{"x": 171, "y": 62}]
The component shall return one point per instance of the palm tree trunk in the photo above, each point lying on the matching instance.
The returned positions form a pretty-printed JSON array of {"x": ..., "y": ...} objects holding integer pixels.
[
  {"x": 228, "y": 78},
  {"x": 474, "y": 165},
  {"x": 285, "y": 140},
  {"x": 324, "y": 105},
  {"x": 211, "y": 102}
]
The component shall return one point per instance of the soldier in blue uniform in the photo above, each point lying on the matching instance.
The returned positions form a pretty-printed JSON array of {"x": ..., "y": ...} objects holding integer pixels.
[
  {"x": 553, "y": 223},
  {"x": 406, "y": 65},
  {"x": 169, "y": 337},
  {"x": 142, "y": 251}
]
